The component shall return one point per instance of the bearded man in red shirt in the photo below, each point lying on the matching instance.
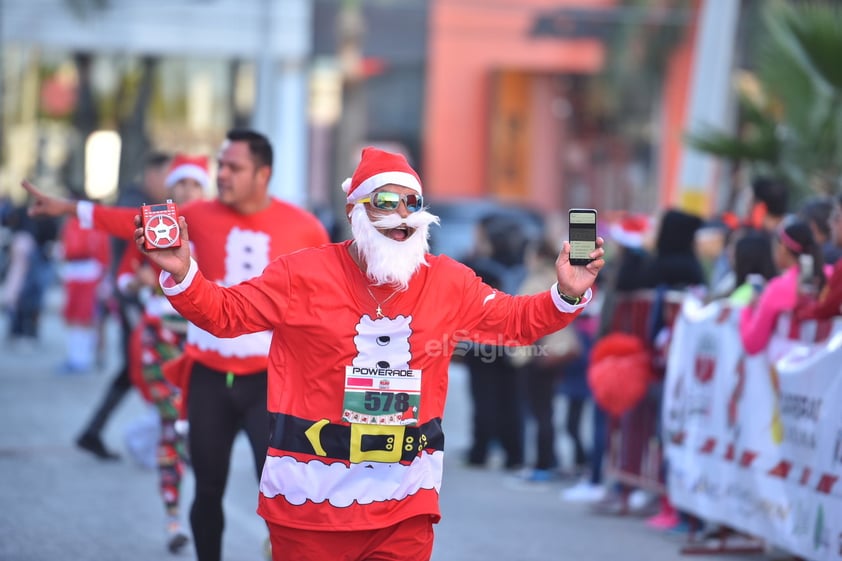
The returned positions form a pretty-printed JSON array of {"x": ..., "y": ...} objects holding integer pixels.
[{"x": 362, "y": 335}]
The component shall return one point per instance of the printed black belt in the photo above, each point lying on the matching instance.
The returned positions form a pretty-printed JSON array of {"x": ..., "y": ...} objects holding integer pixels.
[{"x": 356, "y": 443}]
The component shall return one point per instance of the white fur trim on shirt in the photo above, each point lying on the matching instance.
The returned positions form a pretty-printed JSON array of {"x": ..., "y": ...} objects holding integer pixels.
[
  {"x": 341, "y": 485},
  {"x": 564, "y": 306},
  {"x": 242, "y": 346},
  {"x": 81, "y": 270},
  {"x": 170, "y": 287}
]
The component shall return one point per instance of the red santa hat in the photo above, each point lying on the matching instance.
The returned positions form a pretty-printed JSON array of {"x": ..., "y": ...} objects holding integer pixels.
[
  {"x": 376, "y": 169},
  {"x": 631, "y": 230},
  {"x": 188, "y": 167}
]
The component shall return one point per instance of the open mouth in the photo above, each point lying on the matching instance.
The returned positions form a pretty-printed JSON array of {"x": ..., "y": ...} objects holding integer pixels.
[{"x": 400, "y": 233}]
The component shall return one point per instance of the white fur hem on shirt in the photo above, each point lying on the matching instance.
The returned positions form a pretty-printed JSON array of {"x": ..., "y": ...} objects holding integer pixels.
[
  {"x": 342, "y": 485},
  {"x": 170, "y": 287}
]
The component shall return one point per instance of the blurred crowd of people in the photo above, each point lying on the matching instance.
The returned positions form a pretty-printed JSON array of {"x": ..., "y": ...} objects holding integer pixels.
[
  {"x": 26, "y": 271},
  {"x": 778, "y": 258},
  {"x": 774, "y": 260}
]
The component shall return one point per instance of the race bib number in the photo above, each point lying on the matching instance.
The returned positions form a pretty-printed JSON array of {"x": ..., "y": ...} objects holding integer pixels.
[{"x": 381, "y": 396}]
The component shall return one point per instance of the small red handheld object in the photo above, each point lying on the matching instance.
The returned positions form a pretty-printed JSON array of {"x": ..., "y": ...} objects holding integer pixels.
[{"x": 160, "y": 226}]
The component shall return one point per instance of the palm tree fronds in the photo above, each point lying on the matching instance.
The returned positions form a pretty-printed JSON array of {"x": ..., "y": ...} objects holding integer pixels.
[
  {"x": 817, "y": 30},
  {"x": 754, "y": 148}
]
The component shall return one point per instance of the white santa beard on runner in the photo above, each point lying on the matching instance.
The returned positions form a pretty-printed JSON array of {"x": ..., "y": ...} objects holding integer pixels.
[{"x": 390, "y": 261}]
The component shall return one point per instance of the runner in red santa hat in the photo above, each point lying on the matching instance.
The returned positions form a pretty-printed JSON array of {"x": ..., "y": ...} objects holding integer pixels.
[
  {"x": 348, "y": 473},
  {"x": 159, "y": 337}
]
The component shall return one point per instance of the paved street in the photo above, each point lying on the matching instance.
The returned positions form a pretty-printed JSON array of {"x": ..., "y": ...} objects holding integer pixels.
[{"x": 61, "y": 504}]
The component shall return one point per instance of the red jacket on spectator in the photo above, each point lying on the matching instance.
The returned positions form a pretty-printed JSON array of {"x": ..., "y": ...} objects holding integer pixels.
[{"x": 829, "y": 303}]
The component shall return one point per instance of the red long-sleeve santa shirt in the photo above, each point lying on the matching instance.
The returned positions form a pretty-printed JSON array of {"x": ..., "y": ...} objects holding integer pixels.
[{"x": 356, "y": 398}]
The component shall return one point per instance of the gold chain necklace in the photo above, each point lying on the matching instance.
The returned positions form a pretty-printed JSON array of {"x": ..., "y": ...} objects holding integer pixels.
[
  {"x": 380, "y": 304},
  {"x": 379, "y": 309}
]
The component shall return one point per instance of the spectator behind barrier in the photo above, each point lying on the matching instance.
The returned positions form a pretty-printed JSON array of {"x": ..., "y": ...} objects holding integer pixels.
[
  {"x": 770, "y": 201},
  {"x": 674, "y": 266},
  {"x": 675, "y": 263},
  {"x": 496, "y": 391},
  {"x": 816, "y": 212},
  {"x": 829, "y": 303},
  {"x": 754, "y": 266},
  {"x": 802, "y": 275}
]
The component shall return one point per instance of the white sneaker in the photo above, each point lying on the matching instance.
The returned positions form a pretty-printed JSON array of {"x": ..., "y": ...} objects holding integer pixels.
[
  {"x": 583, "y": 492},
  {"x": 640, "y": 499},
  {"x": 176, "y": 536}
]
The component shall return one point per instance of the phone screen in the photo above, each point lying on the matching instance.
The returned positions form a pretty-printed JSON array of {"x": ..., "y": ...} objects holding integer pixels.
[
  {"x": 806, "y": 282},
  {"x": 582, "y": 235}
]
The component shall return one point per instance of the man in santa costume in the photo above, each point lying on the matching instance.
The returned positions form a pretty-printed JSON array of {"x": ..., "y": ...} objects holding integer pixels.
[
  {"x": 223, "y": 379},
  {"x": 363, "y": 332}
]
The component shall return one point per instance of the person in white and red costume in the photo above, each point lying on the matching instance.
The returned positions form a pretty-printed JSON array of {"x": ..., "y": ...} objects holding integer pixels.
[
  {"x": 85, "y": 263},
  {"x": 363, "y": 332}
]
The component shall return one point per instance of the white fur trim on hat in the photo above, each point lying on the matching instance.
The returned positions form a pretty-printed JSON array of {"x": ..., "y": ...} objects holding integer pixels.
[
  {"x": 188, "y": 171},
  {"x": 631, "y": 231},
  {"x": 625, "y": 237},
  {"x": 375, "y": 182}
]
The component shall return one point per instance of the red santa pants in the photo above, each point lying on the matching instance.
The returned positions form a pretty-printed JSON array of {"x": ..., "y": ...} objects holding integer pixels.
[{"x": 410, "y": 540}]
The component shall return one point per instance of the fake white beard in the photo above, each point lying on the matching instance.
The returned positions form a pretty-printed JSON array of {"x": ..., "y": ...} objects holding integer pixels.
[{"x": 390, "y": 261}]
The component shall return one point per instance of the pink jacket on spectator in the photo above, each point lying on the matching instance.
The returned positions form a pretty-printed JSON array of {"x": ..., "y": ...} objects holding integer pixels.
[{"x": 780, "y": 296}]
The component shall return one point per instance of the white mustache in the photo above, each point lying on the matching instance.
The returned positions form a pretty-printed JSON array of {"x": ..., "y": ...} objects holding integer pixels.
[{"x": 413, "y": 220}]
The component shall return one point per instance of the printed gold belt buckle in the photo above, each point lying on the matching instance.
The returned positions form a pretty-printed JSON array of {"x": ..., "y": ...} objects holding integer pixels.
[{"x": 376, "y": 443}]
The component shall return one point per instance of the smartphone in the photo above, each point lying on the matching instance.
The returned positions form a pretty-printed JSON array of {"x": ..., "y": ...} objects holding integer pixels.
[
  {"x": 806, "y": 281},
  {"x": 582, "y": 235}
]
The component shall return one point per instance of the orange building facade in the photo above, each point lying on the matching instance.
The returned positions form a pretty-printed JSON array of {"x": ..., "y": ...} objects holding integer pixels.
[{"x": 501, "y": 103}]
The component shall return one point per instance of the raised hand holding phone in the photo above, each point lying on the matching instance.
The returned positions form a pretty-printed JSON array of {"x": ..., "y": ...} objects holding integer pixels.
[
  {"x": 582, "y": 235},
  {"x": 581, "y": 258}
]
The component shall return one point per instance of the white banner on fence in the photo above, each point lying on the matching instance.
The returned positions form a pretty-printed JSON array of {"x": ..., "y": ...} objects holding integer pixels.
[{"x": 755, "y": 442}]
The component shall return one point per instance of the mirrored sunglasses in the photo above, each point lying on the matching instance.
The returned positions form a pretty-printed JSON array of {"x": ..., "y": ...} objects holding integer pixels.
[{"x": 386, "y": 200}]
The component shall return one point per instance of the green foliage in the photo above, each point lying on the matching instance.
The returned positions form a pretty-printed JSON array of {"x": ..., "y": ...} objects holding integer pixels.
[
  {"x": 757, "y": 142},
  {"x": 816, "y": 28},
  {"x": 792, "y": 126},
  {"x": 639, "y": 42}
]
